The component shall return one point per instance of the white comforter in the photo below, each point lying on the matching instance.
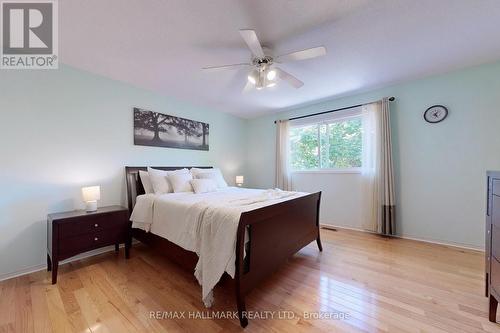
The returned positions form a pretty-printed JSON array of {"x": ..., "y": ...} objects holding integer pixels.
[{"x": 204, "y": 223}]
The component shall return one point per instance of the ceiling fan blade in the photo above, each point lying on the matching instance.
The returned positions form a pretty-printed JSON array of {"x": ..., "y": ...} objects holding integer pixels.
[
  {"x": 292, "y": 80},
  {"x": 252, "y": 41},
  {"x": 223, "y": 67},
  {"x": 302, "y": 55}
]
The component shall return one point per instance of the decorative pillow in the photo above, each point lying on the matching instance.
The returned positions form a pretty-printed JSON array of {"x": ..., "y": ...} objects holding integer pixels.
[
  {"x": 159, "y": 179},
  {"x": 181, "y": 182},
  {"x": 146, "y": 182},
  {"x": 180, "y": 171},
  {"x": 215, "y": 175},
  {"x": 196, "y": 171},
  {"x": 203, "y": 185}
]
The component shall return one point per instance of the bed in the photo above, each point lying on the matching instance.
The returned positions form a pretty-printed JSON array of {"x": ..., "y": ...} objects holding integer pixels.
[{"x": 258, "y": 230}]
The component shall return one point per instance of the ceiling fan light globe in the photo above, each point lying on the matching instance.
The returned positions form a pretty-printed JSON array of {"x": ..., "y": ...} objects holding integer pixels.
[
  {"x": 271, "y": 84},
  {"x": 253, "y": 77},
  {"x": 271, "y": 75}
]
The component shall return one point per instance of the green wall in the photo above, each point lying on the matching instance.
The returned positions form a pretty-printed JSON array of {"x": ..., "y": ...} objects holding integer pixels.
[
  {"x": 440, "y": 168},
  {"x": 63, "y": 129}
]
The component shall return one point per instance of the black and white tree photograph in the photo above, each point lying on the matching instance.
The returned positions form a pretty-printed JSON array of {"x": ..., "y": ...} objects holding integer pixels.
[{"x": 161, "y": 130}]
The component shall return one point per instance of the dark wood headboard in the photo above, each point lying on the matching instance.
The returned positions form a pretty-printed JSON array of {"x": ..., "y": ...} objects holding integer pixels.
[{"x": 134, "y": 184}]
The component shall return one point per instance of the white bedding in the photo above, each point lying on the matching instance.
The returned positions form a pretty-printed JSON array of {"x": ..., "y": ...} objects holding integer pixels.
[{"x": 204, "y": 223}]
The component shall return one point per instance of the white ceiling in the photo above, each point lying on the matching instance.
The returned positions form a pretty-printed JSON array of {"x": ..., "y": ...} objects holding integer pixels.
[{"x": 162, "y": 44}]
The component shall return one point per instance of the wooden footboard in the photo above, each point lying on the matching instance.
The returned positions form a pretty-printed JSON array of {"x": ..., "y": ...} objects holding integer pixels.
[{"x": 276, "y": 232}]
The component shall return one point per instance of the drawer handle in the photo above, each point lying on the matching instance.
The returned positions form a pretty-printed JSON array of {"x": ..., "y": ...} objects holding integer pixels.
[
  {"x": 96, "y": 225},
  {"x": 96, "y": 239}
]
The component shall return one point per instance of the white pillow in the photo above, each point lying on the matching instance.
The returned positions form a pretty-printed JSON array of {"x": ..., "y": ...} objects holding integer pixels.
[
  {"x": 159, "y": 179},
  {"x": 214, "y": 174},
  {"x": 196, "y": 171},
  {"x": 181, "y": 182},
  {"x": 203, "y": 185},
  {"x": 183, "y": 171},
  {"x": 146, "y": 182}
]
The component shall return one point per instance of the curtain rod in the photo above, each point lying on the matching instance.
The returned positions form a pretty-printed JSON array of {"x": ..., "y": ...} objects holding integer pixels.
[{"x": 341, "y": 109}]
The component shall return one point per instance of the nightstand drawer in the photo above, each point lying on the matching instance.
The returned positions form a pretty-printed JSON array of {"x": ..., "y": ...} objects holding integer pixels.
[
  {"x": 91, "y": 241},
  {"x": 495, "y": 210},
  {"x": 92, "y": 223},
  {"x": 495, "y": 242},
  {"x": 496, "y": 186},
  {"x": 495, "y": 275}
]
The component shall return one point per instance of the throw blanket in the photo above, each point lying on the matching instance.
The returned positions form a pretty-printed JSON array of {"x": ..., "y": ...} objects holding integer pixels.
[{"x": 217, "y": 233}]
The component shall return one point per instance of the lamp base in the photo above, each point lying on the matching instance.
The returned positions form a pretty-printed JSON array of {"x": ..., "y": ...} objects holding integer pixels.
[{"x": 91, "y": 206}]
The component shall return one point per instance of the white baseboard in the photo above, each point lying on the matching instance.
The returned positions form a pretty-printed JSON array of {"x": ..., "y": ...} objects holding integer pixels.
[
  {"x": 41, "y": 267},
  {"x": 432, "y": 241}
]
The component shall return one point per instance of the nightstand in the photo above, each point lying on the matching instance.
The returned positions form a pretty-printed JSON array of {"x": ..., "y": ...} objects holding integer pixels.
[{"x": 72, "y": 233}]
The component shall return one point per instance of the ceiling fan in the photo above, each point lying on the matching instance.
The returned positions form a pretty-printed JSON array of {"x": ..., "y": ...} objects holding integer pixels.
[{"x": 265, "y": 73}]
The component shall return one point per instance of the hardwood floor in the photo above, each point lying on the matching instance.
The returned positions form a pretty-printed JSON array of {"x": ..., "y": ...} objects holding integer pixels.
[{"x": 379, "y": 284}]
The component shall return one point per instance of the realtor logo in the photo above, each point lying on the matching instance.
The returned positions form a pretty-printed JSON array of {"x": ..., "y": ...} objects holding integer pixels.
[{"x": 29, "y": 34}]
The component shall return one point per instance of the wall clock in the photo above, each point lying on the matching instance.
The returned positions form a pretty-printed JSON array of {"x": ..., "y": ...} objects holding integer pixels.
[{"x": 435, "y": 114}]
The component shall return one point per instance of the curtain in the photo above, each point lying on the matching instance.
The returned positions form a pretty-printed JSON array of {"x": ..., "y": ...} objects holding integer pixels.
[
  {"x": 283, "y": 178},
  {"x": 377, "y": 169}
]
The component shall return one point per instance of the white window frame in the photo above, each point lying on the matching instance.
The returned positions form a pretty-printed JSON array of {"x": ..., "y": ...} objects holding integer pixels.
[{"x": 322, "y": 120}]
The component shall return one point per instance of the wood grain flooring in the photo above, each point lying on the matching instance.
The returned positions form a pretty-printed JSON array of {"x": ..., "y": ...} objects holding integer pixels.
[{"x": 361, "y": 282}]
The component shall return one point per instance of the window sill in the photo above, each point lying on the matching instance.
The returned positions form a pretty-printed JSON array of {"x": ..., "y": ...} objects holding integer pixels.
[{"x": 321, "y": 171}]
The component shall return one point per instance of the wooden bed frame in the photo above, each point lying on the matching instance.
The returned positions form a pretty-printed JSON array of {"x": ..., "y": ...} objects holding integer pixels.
[{"x": 276, "y": 232}]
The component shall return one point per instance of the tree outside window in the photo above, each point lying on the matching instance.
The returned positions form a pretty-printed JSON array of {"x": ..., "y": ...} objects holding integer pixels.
[{"x": 327, "y": 145}]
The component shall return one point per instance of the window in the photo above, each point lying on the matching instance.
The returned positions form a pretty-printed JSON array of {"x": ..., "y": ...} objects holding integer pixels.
[{"x": 333, "y": 143}]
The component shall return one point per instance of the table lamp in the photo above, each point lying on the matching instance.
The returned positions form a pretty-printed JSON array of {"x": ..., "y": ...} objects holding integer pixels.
[{"x": 90, "y": 195}]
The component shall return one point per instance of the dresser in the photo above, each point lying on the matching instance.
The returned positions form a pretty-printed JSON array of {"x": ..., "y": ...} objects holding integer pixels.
[
  {"x": 75, "y": 232},
  {"x": 492, "y": 248}
]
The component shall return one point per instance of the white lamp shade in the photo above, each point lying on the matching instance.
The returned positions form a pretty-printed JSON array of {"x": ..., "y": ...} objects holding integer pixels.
[
  {"x": 240, "y": 179},
  {"x": 91, "y": 193}
]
